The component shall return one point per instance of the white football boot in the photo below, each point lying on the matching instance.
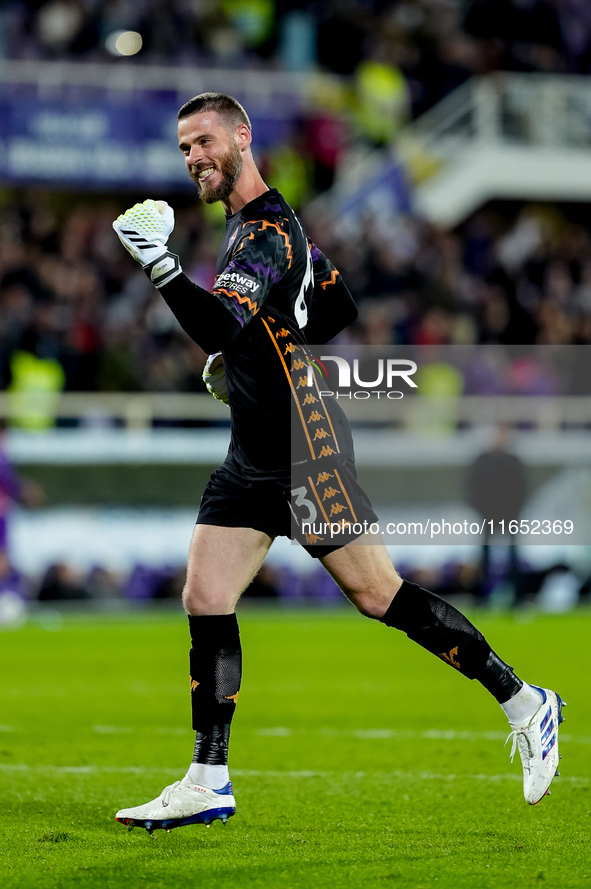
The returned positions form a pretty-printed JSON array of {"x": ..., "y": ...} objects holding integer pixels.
[
  {"x": 537, "y": 742},
  {"x": 181, "y": 803}
]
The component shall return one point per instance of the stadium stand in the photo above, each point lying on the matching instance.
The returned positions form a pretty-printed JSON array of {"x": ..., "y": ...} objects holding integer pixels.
[{"x": 76, "y": 314}]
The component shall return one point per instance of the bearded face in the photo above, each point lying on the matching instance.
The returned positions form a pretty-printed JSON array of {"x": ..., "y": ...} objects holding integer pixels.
[{"x": 215, "y": 180}]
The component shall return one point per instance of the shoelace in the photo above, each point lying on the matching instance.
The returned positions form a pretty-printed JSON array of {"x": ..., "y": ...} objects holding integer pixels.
[
  {"x": 520, "y": 739},
  {"x": 168, "y": 791}
]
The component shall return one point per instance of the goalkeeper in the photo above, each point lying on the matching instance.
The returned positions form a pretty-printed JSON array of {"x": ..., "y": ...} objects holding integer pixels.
[{"x": 274, "y": 293}]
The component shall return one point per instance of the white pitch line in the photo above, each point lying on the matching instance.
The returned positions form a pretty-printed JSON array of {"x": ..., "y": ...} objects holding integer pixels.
[
  {"x": 112, "y": 729},
  {"x": 386, "y": 734},
  {"x": 127, "y": 729},
  {"x": 366, "y": 734},
  {"x": 273, "y": 773}
]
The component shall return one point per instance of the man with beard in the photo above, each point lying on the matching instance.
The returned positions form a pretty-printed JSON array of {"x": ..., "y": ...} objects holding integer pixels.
[{"x": 274, "y": 293}]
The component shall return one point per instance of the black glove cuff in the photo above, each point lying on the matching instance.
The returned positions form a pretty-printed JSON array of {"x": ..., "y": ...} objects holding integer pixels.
[{"x": 163, "y": 269}]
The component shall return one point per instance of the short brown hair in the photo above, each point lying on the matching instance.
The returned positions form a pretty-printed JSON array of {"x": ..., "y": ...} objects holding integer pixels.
[{"x": 227, "y": 107}]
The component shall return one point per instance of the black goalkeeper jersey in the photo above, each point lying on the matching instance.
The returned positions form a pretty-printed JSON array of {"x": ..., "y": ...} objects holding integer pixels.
[
  {"x": 284, "y": 293},
  {"x": 274, "y": 293}
]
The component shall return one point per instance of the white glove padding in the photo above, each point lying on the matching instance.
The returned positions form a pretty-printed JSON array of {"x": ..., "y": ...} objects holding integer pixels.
[
  {"x": 214, "y": 377},
  {"x": 144, "y": 230}
]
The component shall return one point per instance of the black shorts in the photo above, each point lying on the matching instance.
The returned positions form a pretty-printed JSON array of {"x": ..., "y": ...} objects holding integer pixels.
[{"x": 323, "y": 509}]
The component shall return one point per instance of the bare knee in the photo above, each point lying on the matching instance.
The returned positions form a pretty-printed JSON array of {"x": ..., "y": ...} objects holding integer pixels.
[
  {"x": 199, "y": 599},
  {"x": 222, "y": 562},
  {"x": 371, "y": 595},
  {"x": 369, "y": 605},
  {"x": 366, "y": 576},
  {"x": 374, "y": 601}
]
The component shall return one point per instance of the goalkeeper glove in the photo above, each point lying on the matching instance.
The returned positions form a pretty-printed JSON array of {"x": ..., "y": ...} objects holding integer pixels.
[
  {"x": 144, "y": 230},
  {"x": 214, "y": 377}
]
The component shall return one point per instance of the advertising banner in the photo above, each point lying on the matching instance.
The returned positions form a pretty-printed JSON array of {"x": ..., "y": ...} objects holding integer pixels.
[{"x": 97, "y": 142}]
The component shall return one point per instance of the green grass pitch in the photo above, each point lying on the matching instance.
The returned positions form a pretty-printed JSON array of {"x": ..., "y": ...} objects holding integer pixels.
[{"x": 358, "y": 759}]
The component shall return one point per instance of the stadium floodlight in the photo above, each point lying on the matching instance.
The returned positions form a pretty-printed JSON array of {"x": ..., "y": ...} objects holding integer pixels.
[{"x": 124, "y": 43}]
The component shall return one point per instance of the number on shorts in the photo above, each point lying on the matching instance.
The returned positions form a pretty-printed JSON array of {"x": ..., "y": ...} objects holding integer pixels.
[{"x": 302, "y": 500}]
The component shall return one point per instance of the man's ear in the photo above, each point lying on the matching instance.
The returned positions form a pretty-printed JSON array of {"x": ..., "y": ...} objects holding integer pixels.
[{"x": 243, "y": 136}]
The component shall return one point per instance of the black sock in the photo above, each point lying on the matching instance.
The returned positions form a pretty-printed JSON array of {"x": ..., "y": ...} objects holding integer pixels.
[
  {"x": 444, "y": 631},
  {"x": 216, "y": 671}
]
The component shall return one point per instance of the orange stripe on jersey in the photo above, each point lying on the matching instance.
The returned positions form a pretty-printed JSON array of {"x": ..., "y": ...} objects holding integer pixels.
[
  {"x": 283, "y": 234},
  {"x": 336, "y": 441},
  {"x": 241, "y": 299},
  {"x": 322, "y": 510},
  {"x": 243, "y": 242},
  {"x": 344, "y": 490},
  {"x": 287, "y": 374},
  {"x": 333, "y": 277},
  {"x": 266, "y": 224}
]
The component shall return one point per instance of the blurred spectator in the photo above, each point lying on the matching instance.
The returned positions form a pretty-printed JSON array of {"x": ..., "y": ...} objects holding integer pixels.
[
  {"x": 288, "y": 166},
  {"x": 171, "y": 585},
  {"x": 13, "y": 489},
  {"x": 497, "y": 488},
  {"x": 34, "y": 389},
  {"x": 12, "y": 582},
  {"x": 14, "y": 586},
  {"x": 382, "y": 100},
  {"x": 325, "y": 128},
  {"x": 61, "y": 583},
  {"x": 102, "y": 584}
]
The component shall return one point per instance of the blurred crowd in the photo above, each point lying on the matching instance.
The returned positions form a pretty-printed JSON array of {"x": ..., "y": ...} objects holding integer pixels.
[
  {"x": 79, "y": 307},
  {"x": 75, "y": 307},
  {"x": 428, "y": 45},
  {"x": 76, "y": 312},
  {"x": 509, "y": 275},
  {"x": 555, "y": 588}
]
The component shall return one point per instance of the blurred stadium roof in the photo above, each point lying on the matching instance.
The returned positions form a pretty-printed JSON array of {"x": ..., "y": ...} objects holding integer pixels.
[{"x": 508, "y": 136}]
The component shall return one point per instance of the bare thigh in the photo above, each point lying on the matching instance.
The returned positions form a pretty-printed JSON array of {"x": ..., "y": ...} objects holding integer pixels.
[
  {"x": 365, "y": 574},
  {"x": 222, "y": 562}
]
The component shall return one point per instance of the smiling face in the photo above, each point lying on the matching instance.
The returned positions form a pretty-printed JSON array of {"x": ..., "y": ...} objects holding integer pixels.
[{"x": 213, "y": 154}]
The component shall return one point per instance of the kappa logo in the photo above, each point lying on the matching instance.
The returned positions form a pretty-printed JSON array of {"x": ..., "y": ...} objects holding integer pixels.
[
  {"x": 240, "y": 283},
  {"x": 323, "y": 477},
  {"x": 451, "y": 657},
  {"x": 194, "y": 684},
  {"x": 343, "y": 526},
  {"x": 232, "y": 697}
]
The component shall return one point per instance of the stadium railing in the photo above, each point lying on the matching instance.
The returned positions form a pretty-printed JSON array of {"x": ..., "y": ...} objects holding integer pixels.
[
  {"x": 504, "y": 136},
  {"x": 140, "y": 410}
]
